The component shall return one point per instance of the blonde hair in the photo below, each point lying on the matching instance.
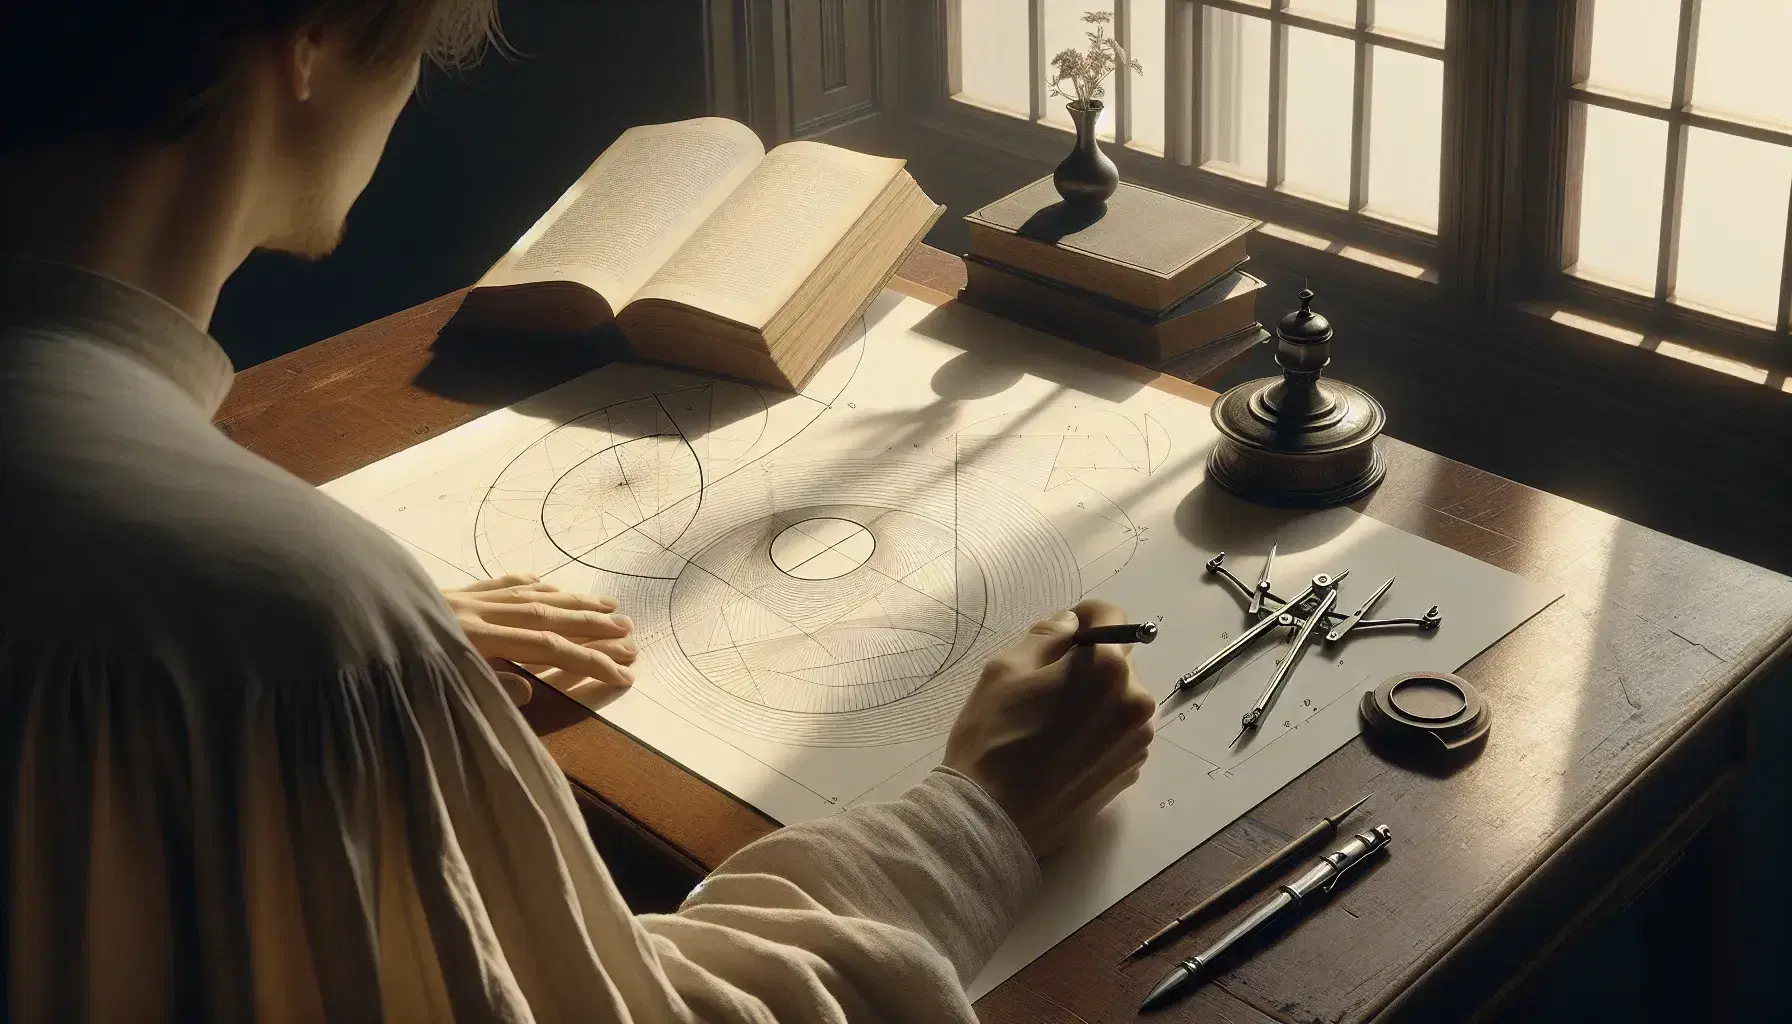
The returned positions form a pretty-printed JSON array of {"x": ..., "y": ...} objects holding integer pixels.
[{"x": 450, "y": 33}]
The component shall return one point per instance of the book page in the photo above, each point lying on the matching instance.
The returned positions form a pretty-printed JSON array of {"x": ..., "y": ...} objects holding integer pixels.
[
  {"x": 633, "y": 207},
  {"x": 748, "y": 258}
]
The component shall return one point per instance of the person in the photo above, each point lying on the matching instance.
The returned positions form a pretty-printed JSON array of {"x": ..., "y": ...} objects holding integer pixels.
[{"x": 257, "y": 766}]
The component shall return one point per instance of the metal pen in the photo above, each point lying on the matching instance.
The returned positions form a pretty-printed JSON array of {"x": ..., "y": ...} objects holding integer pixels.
[
  {"x": 1121, "y": 633},
  {"x": 1321, "y": 877},
  {"x": 1326, "y": 828}
]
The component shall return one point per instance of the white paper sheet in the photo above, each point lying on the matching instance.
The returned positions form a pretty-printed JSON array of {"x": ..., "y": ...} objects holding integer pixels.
[{"x": 816, "y": 579}]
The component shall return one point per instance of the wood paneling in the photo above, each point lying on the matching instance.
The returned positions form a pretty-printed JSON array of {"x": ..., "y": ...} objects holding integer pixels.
[
  {"x": 800, "y": 69},
  {"x": 833, "y": 45},
  {"x": 833, "y": 63}
]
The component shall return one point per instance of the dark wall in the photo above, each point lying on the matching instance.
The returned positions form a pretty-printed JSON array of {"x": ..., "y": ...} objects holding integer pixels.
[{"x": 474, "y": 159}]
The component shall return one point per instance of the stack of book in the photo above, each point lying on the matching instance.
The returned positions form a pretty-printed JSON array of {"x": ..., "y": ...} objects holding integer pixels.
[{"x": 1151, "y": 277}]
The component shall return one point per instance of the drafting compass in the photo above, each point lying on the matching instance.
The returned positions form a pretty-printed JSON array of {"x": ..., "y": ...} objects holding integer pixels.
[{"x": 1307, "y": 613}]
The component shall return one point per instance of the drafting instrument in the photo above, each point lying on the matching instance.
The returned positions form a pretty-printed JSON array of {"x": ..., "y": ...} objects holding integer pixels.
[
  {"x": 1320, "y": 878},
  {"x": 1262, "y": 590},
  {"x": 1224, "y": 656},
  {"x": 1275, "y": 862},
  {"x": 1328, "y": 596},
  {"x": 1354, "y": 618},
  {"x": 1121, "y": 633},
  {"x": 1272, "y": 611},
  {"x": 1217, "y": 566}
]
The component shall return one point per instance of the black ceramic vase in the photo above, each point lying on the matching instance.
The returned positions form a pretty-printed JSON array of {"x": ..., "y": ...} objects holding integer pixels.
[{"x": 1086, "y": 177}]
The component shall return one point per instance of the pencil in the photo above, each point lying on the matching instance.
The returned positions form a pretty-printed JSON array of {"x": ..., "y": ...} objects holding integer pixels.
[
  {"x": 1123, "y": 633},
  {"x": 1326, "y": 828}
]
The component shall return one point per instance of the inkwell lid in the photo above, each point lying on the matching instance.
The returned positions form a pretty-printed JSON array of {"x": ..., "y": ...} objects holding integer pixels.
[
  {"x": 1303, "y": 326},
  {"x": 1434, "y": 712}
]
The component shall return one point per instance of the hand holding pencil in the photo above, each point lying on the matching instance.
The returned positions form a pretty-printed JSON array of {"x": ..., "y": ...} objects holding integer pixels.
[{"x": 1055, "y": 729}]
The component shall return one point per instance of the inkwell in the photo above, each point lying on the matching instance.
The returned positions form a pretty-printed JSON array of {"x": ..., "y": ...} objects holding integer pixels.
[{"x": 1298, "y": 440}]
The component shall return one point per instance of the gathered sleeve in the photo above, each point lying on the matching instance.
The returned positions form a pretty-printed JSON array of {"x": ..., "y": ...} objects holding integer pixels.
[
  {"x": 881, "y": 912},
  {"x": 392, "y": 840}
]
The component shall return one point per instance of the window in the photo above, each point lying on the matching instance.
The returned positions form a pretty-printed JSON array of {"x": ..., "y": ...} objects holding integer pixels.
[
  {"x": 1679, "y": 160},
  {"x": 1328, "y": 112},
  {"x": 1627, "y": 160}
]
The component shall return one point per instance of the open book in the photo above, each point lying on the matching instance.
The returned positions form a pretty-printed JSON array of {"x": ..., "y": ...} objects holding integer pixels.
[{"x": 709, "y": 252}]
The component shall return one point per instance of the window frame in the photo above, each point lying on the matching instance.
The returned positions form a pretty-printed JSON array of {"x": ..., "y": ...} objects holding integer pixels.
[
  {"x": 1564, "y": 40},
  {"x": 1504, "y": 165},
  {"x": 1177, "y": 170}
]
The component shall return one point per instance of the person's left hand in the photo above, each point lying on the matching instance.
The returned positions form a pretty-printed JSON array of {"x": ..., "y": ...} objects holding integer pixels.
[{"x": 567, "y": 640}]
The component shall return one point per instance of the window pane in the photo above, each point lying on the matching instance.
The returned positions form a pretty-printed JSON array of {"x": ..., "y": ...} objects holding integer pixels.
[
  {"x": 1146, "y": 26},
  {"x": 1341, "y": 11},
  {"x": 1633, "y": 46},
  {"x": 1066, "y": 30},
  {"x": 1620, "y": 198},
  {"x": 1733, "y": 224},
  {"x": 993, "y": 59},
  {"x": 1235, "y": 93},
  {"x": 1742, "y": 67},
  {"x": 1316, "y": 153},
  {"x": 1406, "y": 109},
  {"x": 1415, "y": 19}
]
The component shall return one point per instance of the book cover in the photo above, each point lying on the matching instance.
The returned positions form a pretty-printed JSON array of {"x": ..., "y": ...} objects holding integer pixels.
[{"x": 1145, "y": 248}]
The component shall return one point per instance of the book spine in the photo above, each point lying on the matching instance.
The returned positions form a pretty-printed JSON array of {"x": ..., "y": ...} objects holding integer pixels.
[
  {"x": 1139, "y": 313},
  {"x": 1103, "y": 277},
  {"x": 1034, "y": 305},
  {"x": 1055, "y": 310}
]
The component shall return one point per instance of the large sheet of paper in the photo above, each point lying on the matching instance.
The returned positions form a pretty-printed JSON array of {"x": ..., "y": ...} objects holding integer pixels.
[{"x": 816, "y": 579}]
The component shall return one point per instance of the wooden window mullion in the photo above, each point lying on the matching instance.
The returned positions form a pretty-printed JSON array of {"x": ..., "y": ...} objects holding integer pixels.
[
  {"x": 1182, "y": 108},
  {"x": 1122, "y": 79},
  {"x": 1359, "y": 109},
  {"x": 954, "y": 39},
  {"x": 1785, "y": 307},
  {"x": 1673, "y": 183},
  {"x": 1278, "y": 93},
  {"x": 1036, "y": 58}
]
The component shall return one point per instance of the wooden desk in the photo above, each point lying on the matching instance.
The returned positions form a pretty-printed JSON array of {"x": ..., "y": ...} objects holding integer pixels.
[{"x": 1618, "y": 727}]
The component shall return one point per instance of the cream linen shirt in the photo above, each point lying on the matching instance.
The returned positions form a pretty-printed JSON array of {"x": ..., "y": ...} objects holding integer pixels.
[{"x": 253, "y": 771}]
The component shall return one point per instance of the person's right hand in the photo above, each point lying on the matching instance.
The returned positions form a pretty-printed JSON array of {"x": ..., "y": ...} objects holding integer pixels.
[{"x": 1051, "y": 732}]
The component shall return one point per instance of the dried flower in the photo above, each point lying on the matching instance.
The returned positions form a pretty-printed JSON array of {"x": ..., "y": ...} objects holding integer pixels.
[{"x": 1087, "y": 71}]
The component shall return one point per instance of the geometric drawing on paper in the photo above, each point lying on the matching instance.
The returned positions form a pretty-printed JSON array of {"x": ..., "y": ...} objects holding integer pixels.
[{"x": 828, "y": 599}]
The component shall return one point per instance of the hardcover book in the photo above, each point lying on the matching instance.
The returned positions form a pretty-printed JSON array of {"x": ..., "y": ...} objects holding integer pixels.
[
  {"x": 708, "y": 252},
  {"x": 1145, "y": 248},
  {"x": 1221, "y": 309}
]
